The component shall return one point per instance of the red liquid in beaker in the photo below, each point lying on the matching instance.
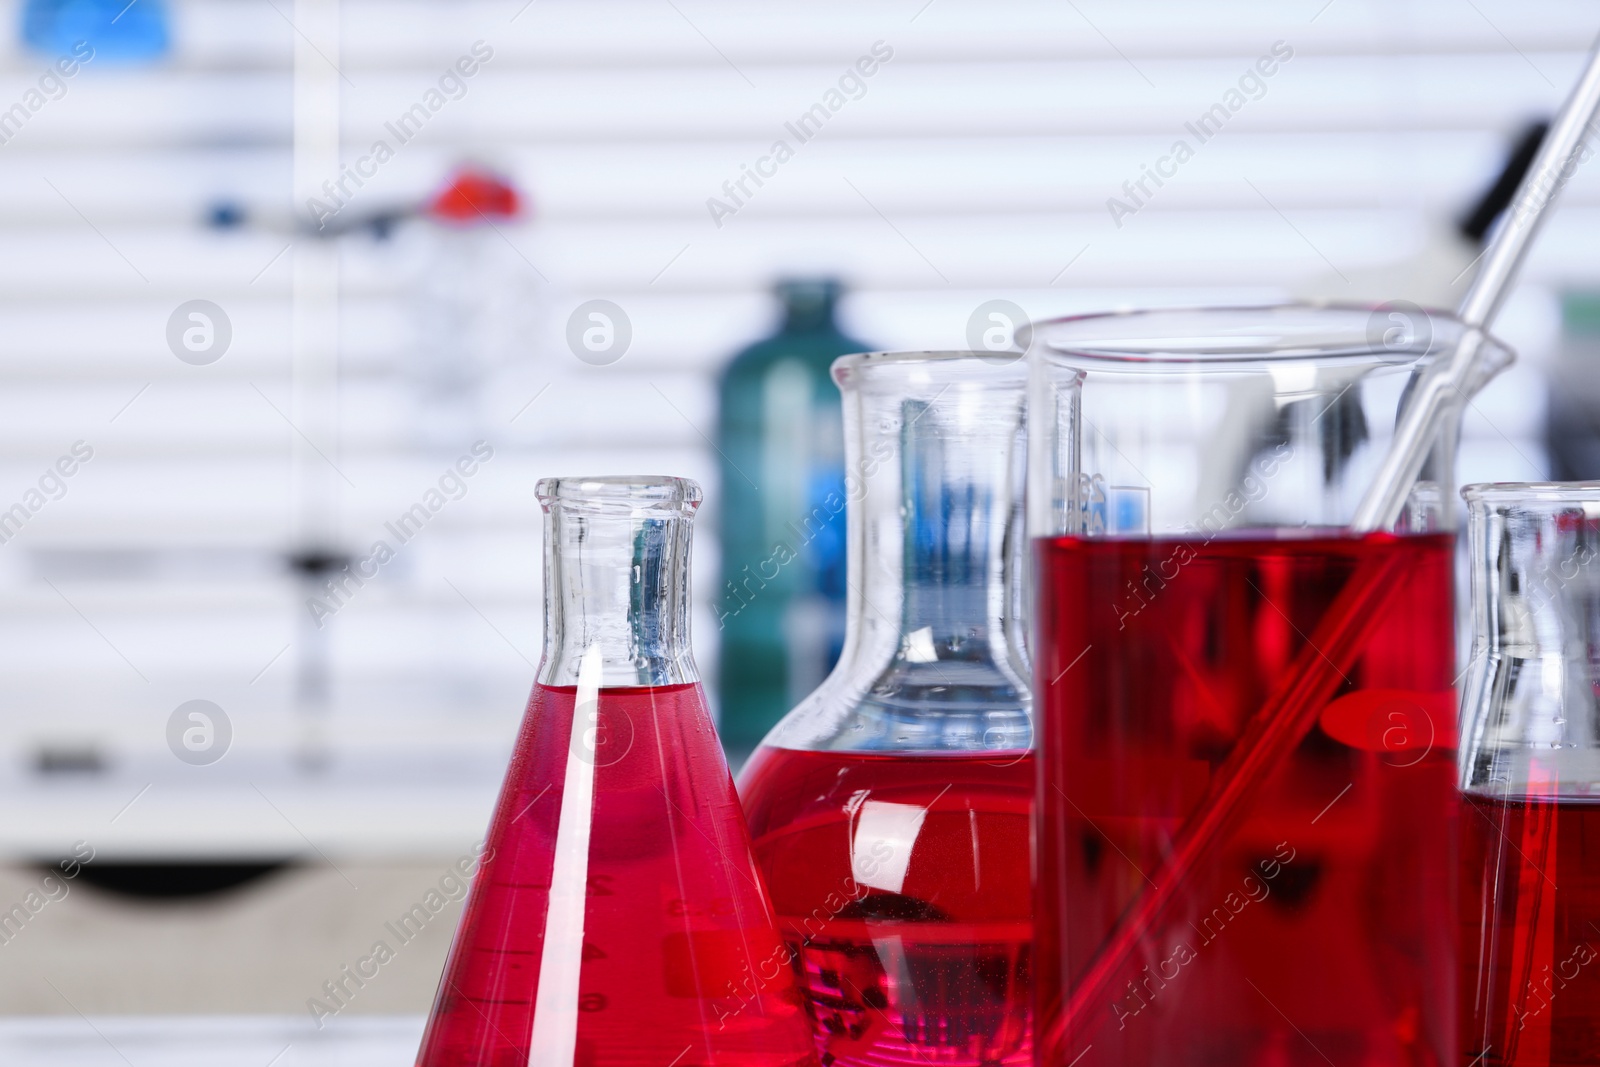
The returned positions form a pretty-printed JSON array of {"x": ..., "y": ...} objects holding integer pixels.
[
  {"x": 904, "y": 884},
  {"x": 1530, "y": 931},
  {"x": 678, "y": 962},
  {"x": 1320, "y": 927}
]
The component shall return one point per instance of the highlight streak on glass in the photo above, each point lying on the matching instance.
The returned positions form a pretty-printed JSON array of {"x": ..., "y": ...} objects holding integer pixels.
[{"x": 555, "y": 1012}]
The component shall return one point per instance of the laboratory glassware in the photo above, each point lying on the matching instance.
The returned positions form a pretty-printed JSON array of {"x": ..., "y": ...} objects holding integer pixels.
[
  {"x": 782, "y": 450},
  {"x": 1530, "y": 765},
  {"x": 1247, "y": 812},
  {"x": 891, "y": 808},
  {"x": 617, "y": 917}
]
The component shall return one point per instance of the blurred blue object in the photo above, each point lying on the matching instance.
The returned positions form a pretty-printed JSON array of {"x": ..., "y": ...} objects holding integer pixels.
[
  {"x": 225, "y": 215},
  {"x": 120, "y": 31}
]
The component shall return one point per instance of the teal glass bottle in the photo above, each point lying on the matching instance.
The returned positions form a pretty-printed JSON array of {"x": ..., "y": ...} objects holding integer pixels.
[{"x": 781, "y": 603}]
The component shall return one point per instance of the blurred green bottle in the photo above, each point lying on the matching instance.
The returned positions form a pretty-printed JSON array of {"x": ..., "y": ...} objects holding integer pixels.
[{"x": 781, "y": 604}]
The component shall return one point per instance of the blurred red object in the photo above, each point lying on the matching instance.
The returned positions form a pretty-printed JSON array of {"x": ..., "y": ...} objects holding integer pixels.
[{"x": 472, "y": 195}]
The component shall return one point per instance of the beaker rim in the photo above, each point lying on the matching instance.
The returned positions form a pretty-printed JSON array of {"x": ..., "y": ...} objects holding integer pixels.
[
  {"x": 1005, "y": 365},
  {"x": 1564, "y": 492},
  {"x": 622, "y": 494},
  {"x": 1188, "y": 339}
]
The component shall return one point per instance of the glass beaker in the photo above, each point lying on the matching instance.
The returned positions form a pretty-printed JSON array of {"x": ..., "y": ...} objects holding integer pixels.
[
  {"x": 1530, "y": 763},
  {"x": 1247, "y": 809},
  {"x": 890, "y": 809},
  {"x": 617, "y": 917}
]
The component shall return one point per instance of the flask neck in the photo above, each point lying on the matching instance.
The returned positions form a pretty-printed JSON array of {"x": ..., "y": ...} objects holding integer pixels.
[
  {"x": 952, "y": 572},
  {"x": 1529, "y": 722},
  {"x": 616, "y": 568},
  {"x": 934, "y": 658}
]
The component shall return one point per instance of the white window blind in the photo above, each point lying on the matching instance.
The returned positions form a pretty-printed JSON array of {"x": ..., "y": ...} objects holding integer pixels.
[{"x": 974, "y": 163}]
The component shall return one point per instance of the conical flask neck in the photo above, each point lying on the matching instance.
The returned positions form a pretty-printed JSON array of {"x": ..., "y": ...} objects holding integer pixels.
[
  {"x": 956, "y": 509},
  {"x": 617, "y": 582},
  {"x": 934, "y": 656},
  {"x": 955, "y": 573},
  {"x": 1530, "y": 712}
]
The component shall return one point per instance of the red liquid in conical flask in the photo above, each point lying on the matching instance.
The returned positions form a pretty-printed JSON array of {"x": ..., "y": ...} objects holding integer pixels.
[
  {"x": 1530, "y": 938},
  {"x": 677, "y": 962},
  {"x": 1320, "y": 927},
  {"x": 903, "y": 885}
]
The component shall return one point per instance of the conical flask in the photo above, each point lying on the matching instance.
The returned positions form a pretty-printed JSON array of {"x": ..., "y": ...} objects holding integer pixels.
[
  {"x": 1530, "y": 777},
  {"x": 890, "y": 810},
  {"x": 617, "y": 918}
]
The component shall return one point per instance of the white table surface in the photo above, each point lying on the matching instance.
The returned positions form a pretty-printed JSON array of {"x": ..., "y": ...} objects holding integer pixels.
[
  {"x": 209, "y": 1041},
  {"x": 246, "y": 820}
]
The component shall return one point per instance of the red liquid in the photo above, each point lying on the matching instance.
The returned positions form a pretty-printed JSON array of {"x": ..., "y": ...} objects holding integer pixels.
[
  {"x": 679, "y": 961},
  {"x": 1530, "y": 935},
  {"x": 903, "y": 883},
  {"x": 1319, "y": 926}
]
